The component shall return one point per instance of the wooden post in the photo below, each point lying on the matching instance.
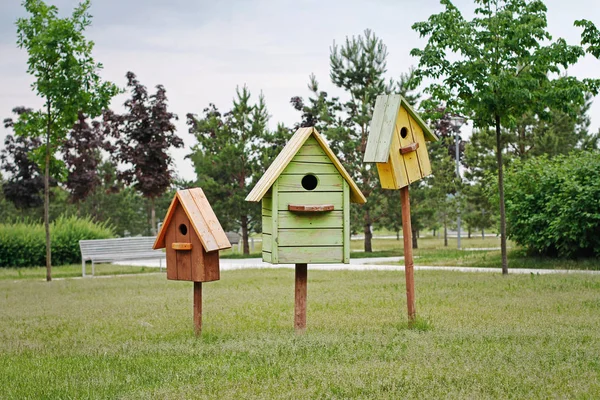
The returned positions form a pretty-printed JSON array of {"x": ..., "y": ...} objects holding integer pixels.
[
  {"x": 300, "y": 297},
  {"x": 408, "y": 254},
  {"x": 198, "y": 308}
]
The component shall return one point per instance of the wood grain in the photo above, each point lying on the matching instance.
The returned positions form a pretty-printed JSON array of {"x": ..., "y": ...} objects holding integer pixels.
[
  {"x": 326, "y": 183},
  {"x": 199, "y": 224},
  {"x": 331, "y": 219},
  {"x": 409, "y": 148},
  {"x": 325, "y": 254},
  {"x": 408, "y": 254},
  {"x": 181, "y": 246},
  {"x": 300, "y": 290},
  {"x": 184, "y": 258},
  {"x": 310, "y": 208},
  {"x": 376, "y": 133},
  {"x": 171, "y": 254},
  {"x": 310, "y": 199},
  {"x": 197, "y": 308},
  {"x": 309, "y": 237},
  {"x": 210, "y": 219},
  {"x": 346, "y": 232}
]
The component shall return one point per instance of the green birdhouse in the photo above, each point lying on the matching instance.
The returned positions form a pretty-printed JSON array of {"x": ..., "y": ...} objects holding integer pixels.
[{"x": 306, "y": 195}]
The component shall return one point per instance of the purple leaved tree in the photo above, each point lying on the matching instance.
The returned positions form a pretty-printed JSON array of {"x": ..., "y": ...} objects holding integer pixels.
[
  {"x": 145, "y": 133},
  {"x": 82, "y": 156}
]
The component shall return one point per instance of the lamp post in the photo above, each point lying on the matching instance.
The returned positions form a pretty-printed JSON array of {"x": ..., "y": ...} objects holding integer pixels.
[{"x": 457, "y": 121}]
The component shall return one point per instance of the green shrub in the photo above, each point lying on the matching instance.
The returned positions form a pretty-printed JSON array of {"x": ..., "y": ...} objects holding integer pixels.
[
  {"x": 23, "y": 244},
  {"x": 553, "y": 205}
]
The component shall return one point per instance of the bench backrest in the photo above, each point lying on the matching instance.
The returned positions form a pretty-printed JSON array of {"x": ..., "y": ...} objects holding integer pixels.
[
  {"x": 129, "y": 247},
  {"x": 234, "y": 237}
]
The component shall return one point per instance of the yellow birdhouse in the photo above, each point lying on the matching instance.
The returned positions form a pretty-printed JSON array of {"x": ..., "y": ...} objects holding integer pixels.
[{"x": 397, "y": 142}]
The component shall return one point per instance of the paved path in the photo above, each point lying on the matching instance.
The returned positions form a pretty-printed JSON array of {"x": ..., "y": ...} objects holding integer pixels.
[{"x": 363, "y": 264}]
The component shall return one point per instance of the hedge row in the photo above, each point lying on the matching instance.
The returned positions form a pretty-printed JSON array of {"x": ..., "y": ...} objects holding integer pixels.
[
  {"x": 24, "y": 244},
  {"x": 553, "y": 205}
]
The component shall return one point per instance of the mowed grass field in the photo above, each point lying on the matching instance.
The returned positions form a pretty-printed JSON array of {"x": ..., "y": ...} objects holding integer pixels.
[{"x": 478, "y": 336}]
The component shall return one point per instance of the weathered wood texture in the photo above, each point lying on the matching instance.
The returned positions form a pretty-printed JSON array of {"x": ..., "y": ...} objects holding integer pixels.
[
  {"x": 383, "y": 126},
  {"x": 307, "y": 224},
  {"x": 171, "y": 252},
  {"x": 311, "y": 255},
  {"x": 301, "y": 288},
  {"x": 197, "y": 308},
  {"x": 184, "y": 258},
  {"x": 397, "y": 143},
  {"x": 312, "y": 208},
  {"x": 310, "y": 199},
  {"x": 295, "y": 147},
  {"x": 203, "y": 220},
  {"x": 409, "y": 148},
  {"x": 408, "y": 254},
  {"x": 346, "y": 222}
]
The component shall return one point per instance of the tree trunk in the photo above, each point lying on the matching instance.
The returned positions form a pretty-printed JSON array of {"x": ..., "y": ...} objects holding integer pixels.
[
  {"x": 153, "y": 216},
  {"x": 483, "y": 233},
  {"x": 415, "y": 234},
  {"x": 47, "y": 202},
  {"x": 245, "y": 234},
  {"x": 501, "y": 194},
  {"x": 368, "y": 234},
  {"x": 397, "y": 235},
  {"x": 469, "y": 231},
  {"x": 445, "y": 234}
]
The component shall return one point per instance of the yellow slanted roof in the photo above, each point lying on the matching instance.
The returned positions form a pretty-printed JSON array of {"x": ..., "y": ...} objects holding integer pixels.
[
  {"x": 202, "y": 217},
  {"x": 286, "y": 155}
]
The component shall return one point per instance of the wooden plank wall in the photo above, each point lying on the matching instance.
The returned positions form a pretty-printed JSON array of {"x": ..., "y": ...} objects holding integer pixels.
[{"x": 309, "y": 237}]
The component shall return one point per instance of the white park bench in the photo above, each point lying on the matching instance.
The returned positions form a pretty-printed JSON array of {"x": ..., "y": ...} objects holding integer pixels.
[{"x": 122, "y": 249}]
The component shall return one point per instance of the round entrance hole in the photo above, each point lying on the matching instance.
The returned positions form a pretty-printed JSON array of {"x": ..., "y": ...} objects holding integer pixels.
[
  {"x": 404, "y": 132},
  {"x": 183, "y": 229},
  {"x": 309, "y": 182}
]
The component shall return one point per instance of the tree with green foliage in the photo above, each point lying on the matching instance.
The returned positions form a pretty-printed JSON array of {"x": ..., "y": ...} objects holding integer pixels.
[
  {"x": 229, "y": 159},
  {"x": 498, "y": 66},
  {"x": 590, "y": 37},
  {"x": 66, "y": 78},
  {"x": 145, "y": 134}
]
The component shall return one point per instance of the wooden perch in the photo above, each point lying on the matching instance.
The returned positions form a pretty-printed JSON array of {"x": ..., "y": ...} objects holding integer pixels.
[
  {"x": 181, "y": 246},
  {"x": 311, "y": 208},
  {"x": 409, "y": 148}
]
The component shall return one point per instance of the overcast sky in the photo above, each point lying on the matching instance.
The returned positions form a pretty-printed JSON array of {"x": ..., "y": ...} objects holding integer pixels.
[{"x": 201, "y": 50}]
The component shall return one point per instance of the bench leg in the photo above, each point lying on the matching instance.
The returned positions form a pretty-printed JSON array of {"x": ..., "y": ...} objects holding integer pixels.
[
  {"x": 83, "y": 268},
  {"x": 93, "y": 268}
]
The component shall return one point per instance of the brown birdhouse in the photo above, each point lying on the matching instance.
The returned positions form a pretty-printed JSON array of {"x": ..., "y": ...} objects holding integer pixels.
[{"x": 192, "y": 237}]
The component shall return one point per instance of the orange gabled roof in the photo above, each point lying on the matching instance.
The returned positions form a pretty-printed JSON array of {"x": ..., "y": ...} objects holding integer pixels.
[{"x": 203, "y": 219}]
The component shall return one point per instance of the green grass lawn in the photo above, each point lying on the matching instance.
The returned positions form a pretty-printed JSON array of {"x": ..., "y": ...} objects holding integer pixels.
[
  {"x": 479, "y": 336},
  {"x": 71, "y": 271}
]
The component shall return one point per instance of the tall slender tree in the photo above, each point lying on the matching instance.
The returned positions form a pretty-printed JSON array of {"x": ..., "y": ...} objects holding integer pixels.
[
  {"x": 145, "y": 134},
  {"x": 498, "y": 66},
  {"x": 228, "y": 159},
  {"x": 66, "y": 78}
]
